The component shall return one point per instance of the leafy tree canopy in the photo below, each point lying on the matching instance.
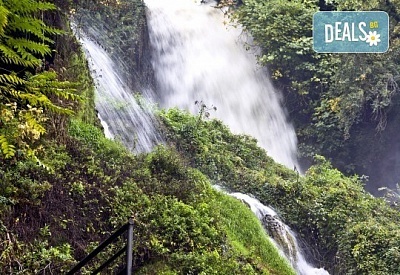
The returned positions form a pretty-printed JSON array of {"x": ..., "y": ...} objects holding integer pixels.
[{"x": 327, "y": 95}]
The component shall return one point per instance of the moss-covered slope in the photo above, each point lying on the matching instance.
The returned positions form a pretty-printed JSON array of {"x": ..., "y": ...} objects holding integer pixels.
[{"x": 348, "y": 230}]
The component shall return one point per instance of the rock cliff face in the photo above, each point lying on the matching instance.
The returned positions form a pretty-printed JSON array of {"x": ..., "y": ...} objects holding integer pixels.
[
  {"x": 143, "y": 58},
  {"x": 279, "y": 232},
  {"x": 122, "y": 31}
]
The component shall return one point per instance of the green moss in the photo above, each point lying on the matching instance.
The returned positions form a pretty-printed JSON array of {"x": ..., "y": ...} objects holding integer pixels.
[
  {"x": 246, "y": 235},
  {"x": 81, "y": 74}
]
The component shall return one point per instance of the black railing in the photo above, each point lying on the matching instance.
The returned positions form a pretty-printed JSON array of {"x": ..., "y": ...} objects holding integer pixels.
[{"x": 128, "y": 248}]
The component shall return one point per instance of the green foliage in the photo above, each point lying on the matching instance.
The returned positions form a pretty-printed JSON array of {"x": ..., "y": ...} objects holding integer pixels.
[
  {"x": 42, "y": 258},
  {"x": 372, "y": 246},
  {"x": 335, "y": 100},
  {"x": 189, "y": 238},
  {"x": 178, "y": 214},
  {"x": 25, "y": 100},
  {"x": 354, "y": 5},
  {"x": 248, "y": 236},
  {"x": 326, "y": 209},
  {"x": 173, "y": 178},
  {"x": 346, "y": 229},
  {"x": 180, "y": 224},
  {"x": 24, "y": 37},
  {"x": 87, "y": 133},
  {"x": 37, "y": 257},
  {"x": 49, "y": 218},
  {"x": 212, "y": 263},
  {"x": 30, "y": 186},
  {"x": 225, "y": 158},
  {"x": 374, "y": 84}
]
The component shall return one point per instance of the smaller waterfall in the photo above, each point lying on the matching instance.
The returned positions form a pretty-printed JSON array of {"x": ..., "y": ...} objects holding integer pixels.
[
  {"x": 281, "y": 235},
  {"x": 122, "y": 115},
  {"x": 106, "y": 128}
]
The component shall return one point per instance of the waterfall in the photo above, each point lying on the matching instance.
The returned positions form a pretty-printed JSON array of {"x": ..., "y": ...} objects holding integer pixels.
[
  {"x": 281, "y": 235},
  {"x": 196, "y": 57},
  {"x": 124, "y": 116}
]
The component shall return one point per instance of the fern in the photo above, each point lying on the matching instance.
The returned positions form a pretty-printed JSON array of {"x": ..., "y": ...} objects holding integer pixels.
[
  {"x": 29, "y": 25},
  {"x": 11, "y": 94},
  {"x": 11, "y": 79},
  {"x": 48, "y": 84},
  {"x": 27, "y": 7},
  {"x": 25, "y": 39},
  {"x": 26, "y": 99},
  {"x": 44, "y": 102},
  {"x": 26, "y": 51},
  {"x": 7, "y": 149},
  {"x": 3, "y": 18},
  {"x": 24, "y": 45},
  {"x": 11, "y": 57}
]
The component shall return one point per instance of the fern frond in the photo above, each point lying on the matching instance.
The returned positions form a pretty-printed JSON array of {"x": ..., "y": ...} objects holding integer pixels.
[
  {"x": 17, "y": 46},
  {"x": 23, "y": 45},
  {"x": 12, "y": 79},
  {"x": 30, "y": 25},
  {"x": 7, "y": 149},
  {"x": 64, "y": 94},
  {"x": 10, "y": 56},
  {"x": 47, "y": 83},
  {"x": 44, "y": 6},
  {"x": 24, "y": 7},
  {"x": 43, "y": 101},
  {"x": 33, "y": 124},
  {"x": 25, "y": 55},
  {"x": 3, "y": 18},
  {"x": 14, "y": 94}
]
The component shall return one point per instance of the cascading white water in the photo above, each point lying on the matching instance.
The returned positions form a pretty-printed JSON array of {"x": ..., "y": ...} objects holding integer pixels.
[
  {"x": 198, "y": 58},
  {"x": 120, "y": 114},
  {"x": 283, "y": 237}
]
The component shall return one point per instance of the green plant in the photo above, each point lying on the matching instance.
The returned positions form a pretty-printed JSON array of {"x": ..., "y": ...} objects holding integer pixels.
[
  {"x": 325, "y": 207},
  {"x": 337, "y": 102},
  {"x": 27, "y": 92}
]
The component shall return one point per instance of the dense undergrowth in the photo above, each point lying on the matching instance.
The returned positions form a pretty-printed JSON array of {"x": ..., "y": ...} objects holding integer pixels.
[
  {"x": 182, "y": 225},
  {"x": 348, "y": 230}
]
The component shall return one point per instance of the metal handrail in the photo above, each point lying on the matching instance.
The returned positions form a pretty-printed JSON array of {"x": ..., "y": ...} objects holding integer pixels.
[{"x": 128, "y": 248}]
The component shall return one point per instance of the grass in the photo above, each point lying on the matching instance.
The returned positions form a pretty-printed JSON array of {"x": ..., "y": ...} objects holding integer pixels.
[{"x": 246, "y": 234}]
